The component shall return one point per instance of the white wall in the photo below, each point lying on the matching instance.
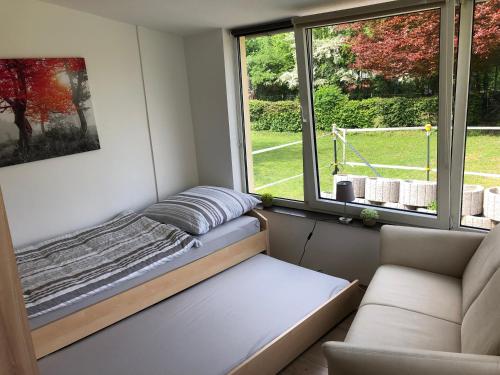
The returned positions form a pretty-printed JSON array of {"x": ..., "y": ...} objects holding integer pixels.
[
  {"x": 346, "y": 251},
  {"x": 206, "y": 64},
  {"x": 169, "y": 110},
  {"x": 54, "y": 196}
]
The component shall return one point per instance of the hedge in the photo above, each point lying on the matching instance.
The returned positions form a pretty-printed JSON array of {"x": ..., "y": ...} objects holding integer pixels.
[
  {"x": 333, "y": 107},
  {"x": 281, "y": 116}
]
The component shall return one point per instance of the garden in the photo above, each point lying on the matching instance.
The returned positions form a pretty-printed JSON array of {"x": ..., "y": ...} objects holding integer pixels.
[
  {"x": 377, "y": 82},
  {"x": 284, "y": 163}
]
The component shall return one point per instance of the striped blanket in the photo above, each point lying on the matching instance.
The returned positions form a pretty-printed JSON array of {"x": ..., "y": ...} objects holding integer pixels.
[{"x": 66, "y": 269}]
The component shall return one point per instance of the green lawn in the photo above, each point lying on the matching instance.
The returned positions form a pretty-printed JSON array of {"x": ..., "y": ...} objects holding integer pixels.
[{"x": 389, "y": 148}]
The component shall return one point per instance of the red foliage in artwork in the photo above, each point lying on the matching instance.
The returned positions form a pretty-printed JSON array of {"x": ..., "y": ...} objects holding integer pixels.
[
  {"x": 32, "y": 88},
  {"x": 48, "y": 95},
  {"x": 34, "y": 91}
]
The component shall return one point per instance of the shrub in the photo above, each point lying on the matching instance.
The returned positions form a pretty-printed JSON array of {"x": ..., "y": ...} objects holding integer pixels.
[
  {"x": 399, "y": 112},
  {"x": 328, "y": 102},
  {"x": 282, "y": 116},
  {"x": 427, "y": 108},
  {"x": 333, "y": 107},
  {"x": 360, "y": 114}
]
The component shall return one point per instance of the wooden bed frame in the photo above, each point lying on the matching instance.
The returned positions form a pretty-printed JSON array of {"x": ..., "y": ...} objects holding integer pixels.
[
  {"x": 17, "y": 356},
  {"x": 82, "y": 323},
  {"x": 24, "y": 347},
  {"x": 289, "y": 345}
]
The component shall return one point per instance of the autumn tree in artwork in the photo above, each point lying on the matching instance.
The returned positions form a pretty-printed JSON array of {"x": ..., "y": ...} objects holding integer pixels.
[
  {"x": 17, "y": 78},
  {"x": 48, "y": 101},
  {"x": 49, "y": 96},
  {"x": 77, "y": 74},
  {"x": 34, "y": 88}
]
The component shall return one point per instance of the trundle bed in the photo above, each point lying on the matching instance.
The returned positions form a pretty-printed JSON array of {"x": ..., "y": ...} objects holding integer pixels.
[
  {"x": 213, "y": 327},
  {"x": 226, "y": 307}
]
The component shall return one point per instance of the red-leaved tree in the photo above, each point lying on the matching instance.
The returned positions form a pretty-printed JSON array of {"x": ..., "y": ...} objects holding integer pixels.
[
  {"x": 486, "y": 42},
  {"x": 30, "y": 89},
  {"x": 399, "y": 45},
  {"x": 409, "y": 44},
  {"x": 48, "y": 96}
]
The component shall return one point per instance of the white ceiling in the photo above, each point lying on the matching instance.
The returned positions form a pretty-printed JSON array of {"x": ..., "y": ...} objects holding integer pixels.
[{"x": 186, "y": 17}]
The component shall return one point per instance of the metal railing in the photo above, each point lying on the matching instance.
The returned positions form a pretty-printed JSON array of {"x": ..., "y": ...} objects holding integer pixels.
[{"x": 428, "y": 130}]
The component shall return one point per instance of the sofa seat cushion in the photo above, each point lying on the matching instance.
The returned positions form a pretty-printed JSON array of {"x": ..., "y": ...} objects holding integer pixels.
[
  {"x": 424, "y": 292},
  {"x": 376, "y": 325}
]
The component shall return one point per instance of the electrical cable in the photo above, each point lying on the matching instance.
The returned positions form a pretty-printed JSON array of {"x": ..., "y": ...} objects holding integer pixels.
[{"x": 307, "y": 241}]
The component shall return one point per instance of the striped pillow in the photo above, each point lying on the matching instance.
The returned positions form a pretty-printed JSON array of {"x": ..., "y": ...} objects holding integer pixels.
[{"x": 202, "y": 208}]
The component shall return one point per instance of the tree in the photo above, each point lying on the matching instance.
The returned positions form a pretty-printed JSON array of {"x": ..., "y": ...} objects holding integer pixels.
[
  {"x": 485, "y": 62},
  {"x": 29, "y": 88},
  {"x": 486, "y": 42},
  {"x": 398, "y": 46},
  {"x": 409, "y": 44},
  {"x": 13, "y": 94},
  {"x": 77, "y": 74},
  {"x": 332, "y": 56},
  {"x": 48, "y": 96},
  {"x": 268, "y": 57}
]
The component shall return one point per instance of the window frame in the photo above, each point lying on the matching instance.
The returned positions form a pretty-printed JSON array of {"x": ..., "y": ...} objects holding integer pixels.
[
  {"x": 281, "y": 27},
  {"x": 450, "y": 147},
  {"x": 462, "y": 91},
  {"x": 302, "y": 42}
]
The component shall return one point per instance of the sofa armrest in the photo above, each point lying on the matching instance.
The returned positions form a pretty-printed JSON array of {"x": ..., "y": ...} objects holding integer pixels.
[
  {"x": 440, "y": 251},
  {"x": 350, "y": 359}
]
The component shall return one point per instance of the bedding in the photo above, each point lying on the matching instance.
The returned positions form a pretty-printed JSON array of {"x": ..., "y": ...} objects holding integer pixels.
[
  {"x": 63, "y": 270},
  {"x": 218, "y": 238},
  {"x": 207, "y": 329},
  {"x": 202, "y": 208}
]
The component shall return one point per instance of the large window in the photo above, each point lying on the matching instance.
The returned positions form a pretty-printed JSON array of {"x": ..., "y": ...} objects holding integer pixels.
[{"x": 366, "y": 95}]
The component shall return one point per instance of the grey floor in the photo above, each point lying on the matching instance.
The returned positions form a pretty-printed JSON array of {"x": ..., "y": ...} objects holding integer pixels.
[{"x": 312, "y": 361}]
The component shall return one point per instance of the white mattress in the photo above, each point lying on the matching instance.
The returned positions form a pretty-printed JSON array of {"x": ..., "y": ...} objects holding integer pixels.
[
  {"x": 218, "y": 238},
  {"x": 207, "y": 329}
]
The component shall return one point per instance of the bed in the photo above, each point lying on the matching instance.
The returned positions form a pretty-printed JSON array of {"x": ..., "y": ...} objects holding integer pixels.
[
  {"x": 225, "y": 246},
  {"x": 218, "y": 238},
  {"x": 216, "y": 327}
]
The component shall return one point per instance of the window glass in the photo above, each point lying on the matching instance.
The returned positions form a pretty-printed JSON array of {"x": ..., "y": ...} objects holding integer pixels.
[
  {"x": 271, "y": 113},
  {"x": 481, "y": 190},
  {"x": 375, "y": 108}
]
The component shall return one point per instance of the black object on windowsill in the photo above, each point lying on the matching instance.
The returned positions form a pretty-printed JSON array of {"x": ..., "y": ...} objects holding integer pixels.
[{"x": 344, "y": 193}]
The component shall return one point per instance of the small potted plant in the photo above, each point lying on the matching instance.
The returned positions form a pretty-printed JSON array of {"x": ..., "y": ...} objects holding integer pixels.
[
  {"x": 267, "y": 199},
  {"x": 369, "y": 217},
  {"x": 433, "y": 206}
]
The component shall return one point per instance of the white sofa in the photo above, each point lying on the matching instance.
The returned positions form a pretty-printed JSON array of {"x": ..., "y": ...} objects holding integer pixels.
[{"x": 433, "y": 307}]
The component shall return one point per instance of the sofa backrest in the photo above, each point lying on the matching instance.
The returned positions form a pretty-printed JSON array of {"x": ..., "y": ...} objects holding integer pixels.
[{"x": 481, "y": 298}]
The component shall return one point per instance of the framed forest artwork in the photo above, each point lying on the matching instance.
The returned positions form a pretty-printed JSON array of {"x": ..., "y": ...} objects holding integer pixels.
[{"x": 45, "y": 109}]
